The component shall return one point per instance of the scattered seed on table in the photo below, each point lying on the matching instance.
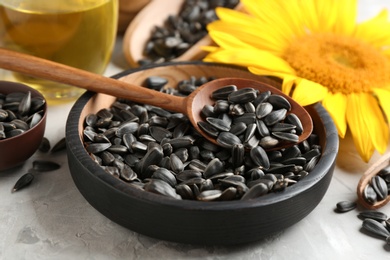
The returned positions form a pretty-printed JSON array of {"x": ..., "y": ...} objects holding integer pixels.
[
  {"x": 345, "y": 206},
  {"x": 59, "y": 146},
  {"x": 373, "y": 214},
  {"x": 45, "y": 145},
  {"x": 23, "y": 182}
]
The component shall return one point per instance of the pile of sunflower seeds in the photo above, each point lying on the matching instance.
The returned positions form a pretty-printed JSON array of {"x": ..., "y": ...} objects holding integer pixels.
[
  {"x": 181, "y": 31},
  {"x": 160, "y": 152},
  {"x": 377, "y": 223},
  {"x": 245, "y": 116},
  {"x": 18, "y": 113},
  {"x": 379, "y": 186}
]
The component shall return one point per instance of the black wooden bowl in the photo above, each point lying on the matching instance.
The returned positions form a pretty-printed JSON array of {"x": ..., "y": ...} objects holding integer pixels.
[{"x": 207, "y": 223}]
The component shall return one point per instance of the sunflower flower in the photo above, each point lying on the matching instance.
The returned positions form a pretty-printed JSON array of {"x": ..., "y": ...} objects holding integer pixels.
[{"x": 322, "y": 54}]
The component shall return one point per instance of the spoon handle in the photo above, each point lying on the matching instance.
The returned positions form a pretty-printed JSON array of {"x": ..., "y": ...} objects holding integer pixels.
[
  {"x": 366, "y": 178},
  {"x": 57, "y": 72}
]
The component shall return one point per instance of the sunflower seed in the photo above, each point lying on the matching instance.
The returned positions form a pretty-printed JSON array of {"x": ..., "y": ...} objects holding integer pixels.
[
  {"x": 259, "y": 157},
  {"x": 380, "y": 187},
  {"x": 208, "y": 111},
  {"x": 275, "y": 116},
  {"x": 221, "y": 106},
  {"x": 165, "y": 175},
  {"x": 128, "y": 174},
  {"x": 345, "y": 206},
  {"x": 209, "y": 195},
  {"x": 45, "y": 145},
  {"x": 162, "y": 188},
  {"x": 23, "y": 181},
  {"x": 185, "y": 191},
  {"x": 263, "y": 110},
  {"x": 268, "y": 142},
  {"x": 263, "y": 96},
  {"x": 25, "y": 104},
  {"x": 372, "y": 214},
  {"x": 242, "y": 96},
  {"x": 227, "y": 139},
  {"x": 208, "y": 128},
  {"x": 238, "y": 128},
  {"x": 45, "y": 166},
  {"x": 219, "y": 123},
  {"x": 228, "y": 194},
  {"x": 376, "y": 228},
  {"x": 176, "y": 164},
  {"x": 214, "y": 167},
  {"x": 156, "y": 82},
  {"x": 279, "y": 102},
  {"x": 60, "y": 146},
  {"x": 238, "y": 153},
  {"x": 255, "y": 191},
  {"x": 369, "y": 194},
  {"x": 294, "y": 120}
]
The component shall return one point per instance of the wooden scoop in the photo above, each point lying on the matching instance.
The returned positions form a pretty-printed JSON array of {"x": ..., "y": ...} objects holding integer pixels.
[
  {"x": 190, "y": 105},
  {"x": 156, "y": 14},
  {"x": 366, "y": 178}
]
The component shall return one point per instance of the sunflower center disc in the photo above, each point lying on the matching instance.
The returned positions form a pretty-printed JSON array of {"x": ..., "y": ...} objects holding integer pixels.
[{"x": 342, "y": 64}]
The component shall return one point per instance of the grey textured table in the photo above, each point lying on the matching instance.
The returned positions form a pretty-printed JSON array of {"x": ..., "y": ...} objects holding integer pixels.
[{"x": 51, "y": 220}]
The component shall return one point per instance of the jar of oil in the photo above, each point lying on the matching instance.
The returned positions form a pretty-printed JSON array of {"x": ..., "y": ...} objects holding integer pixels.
[{"x": 78, "y": 33}]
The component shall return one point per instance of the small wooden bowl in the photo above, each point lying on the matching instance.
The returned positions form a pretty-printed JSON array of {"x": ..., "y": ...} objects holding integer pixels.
[
  {"x": 195, "y": 222},
  {"x": 141, "y": 27},
  {"x": 16, "y": 150}
]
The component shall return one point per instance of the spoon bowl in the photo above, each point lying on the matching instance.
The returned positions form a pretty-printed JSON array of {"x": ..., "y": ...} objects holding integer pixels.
[
  {"x": 366, "y": 178},
  {"x": 190, "y": 106}
]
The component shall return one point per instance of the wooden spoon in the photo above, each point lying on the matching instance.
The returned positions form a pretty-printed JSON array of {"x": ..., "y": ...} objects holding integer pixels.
[
  {"x": 366, "y": 179},
  {"x": 155, "y": 14},
  {"x": 190, "y": 105}
]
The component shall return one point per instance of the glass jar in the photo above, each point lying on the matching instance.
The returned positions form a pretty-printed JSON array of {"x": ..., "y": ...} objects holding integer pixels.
[{"x": 78, "y": 33}]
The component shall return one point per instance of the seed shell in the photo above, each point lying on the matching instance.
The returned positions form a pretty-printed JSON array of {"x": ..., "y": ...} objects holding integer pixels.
[
  {"x": 372, "y": 214},
  {"x": 23, "y": 182},
  {"x": 376, "y": 228},
  {"x": 45, "y": 166},
  {"x": 345, "y": 206}
]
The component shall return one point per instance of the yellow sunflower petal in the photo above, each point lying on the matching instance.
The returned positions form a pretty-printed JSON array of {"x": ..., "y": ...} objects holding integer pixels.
[
  {"x": 336, "y": 105},
  {"x": 375, "y": 31},
  {"x": 273, "y": 15},
  {"x": 229, "y": 41},
  {"x": 346, "y": 16},
  {"x": 367, "y": 124},
  {"x": 308, "y": 92},
  {"x": 327, "y": 14},
  {"x": 247, "y": 58},
  {"x": 282, "y": 75},
  {"x": 288, "y": 79},
  {"x": 209, "y": 48},
  {"x": 311, "y": 16},
  {"x": 233, "y": 16},
  {"x": 383, "y": 95},
  {"x": 249, "y": 35}
]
